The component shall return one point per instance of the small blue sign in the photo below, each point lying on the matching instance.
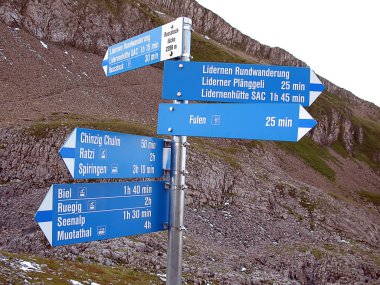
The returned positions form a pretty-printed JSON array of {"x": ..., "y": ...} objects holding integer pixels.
[
  {"x": 76, "y": 213},
  {"x": 239, "y": 83},
  {"x": 100, "y": 154},
  {"x": 156, "y": 45},
  {"x": 275, "y": 122}
]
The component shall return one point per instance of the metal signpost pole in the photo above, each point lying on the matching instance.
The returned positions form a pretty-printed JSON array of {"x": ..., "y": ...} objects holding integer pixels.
[{"x": 178, "y": 186}]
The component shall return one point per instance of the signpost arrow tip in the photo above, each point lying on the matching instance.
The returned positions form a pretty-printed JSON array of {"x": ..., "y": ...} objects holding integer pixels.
[
  {"x": 105, "y": 63},
  {"x": 306, "y": 123},
  {"x": 44, "y": 215},
  {"x": 67, "y": 151},
  {"x": 316, "y": 87}
]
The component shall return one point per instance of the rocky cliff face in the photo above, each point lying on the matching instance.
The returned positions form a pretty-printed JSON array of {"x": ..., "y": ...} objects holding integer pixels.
[
  {"x": 93, "y": 26},
  {"x": 249, "y": 217},
  {"x": 329, "y": 129},
  {"x": 88, "y": 25}
]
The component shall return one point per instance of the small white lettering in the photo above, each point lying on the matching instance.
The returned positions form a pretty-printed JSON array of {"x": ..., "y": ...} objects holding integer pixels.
[
  {"x": 74, "y": 234},
  {"x": 86, "y": 153},
  {"x": 80, "y": 220},
  {"x": 197, "y": 120}
]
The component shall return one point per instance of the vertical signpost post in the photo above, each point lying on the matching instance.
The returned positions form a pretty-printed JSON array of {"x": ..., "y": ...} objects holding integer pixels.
[
  {"x": 178, "y": 186},
  {"x": 281, "y": 92},
  {"x": 171, "y": 40}
]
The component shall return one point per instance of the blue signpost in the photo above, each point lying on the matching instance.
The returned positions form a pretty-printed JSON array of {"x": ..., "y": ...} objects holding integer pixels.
[
  {"x": 275, "y": 122},
  {"x": 100, "y": 154},
  {"x": 75, "y": 213},
  {"x": 156, "y": 45},
  {"x": 239, "y": 83}
]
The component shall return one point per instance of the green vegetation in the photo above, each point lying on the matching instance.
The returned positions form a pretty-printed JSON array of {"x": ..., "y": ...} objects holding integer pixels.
[
  {"x": 366, "y": 150},
  {"x": 339, "y": 148},
  {"x": 313, "y": 155},
  {"x": 292, "y": 212},
  {"x": 253, "y": 144},
  {"x": 115, "y": 7},
  {"x": 309, "y": 205},
  {"x": 370, "y": 197},
  {"x": 206, "y": 50},
  {"x": 144, "y": 8},
  {"x": 318, "y": 254},
  {"x": 306, "y": 202},
  {"x": 366, "y": 253},
  {"x": 326, "y": 104},
  {"x": 43, "y": 127},
  {"x": 332, "y": 247},
  {"x": 303, "y": 198},
  {"x": 108, "y": 5},
  {"x": 370, "y": 148},
  {"x": 227, "y": 154},
  {"x": 54, "y": 271}
]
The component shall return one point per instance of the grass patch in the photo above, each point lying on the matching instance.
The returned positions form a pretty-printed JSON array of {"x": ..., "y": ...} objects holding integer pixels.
[
  {"x": 368, "y": 254},
  {"x": 332, "y": 247},
  {"x": 227, "y": 155},
  {"x": 328, "y": 103},
  {"x": 374, "y": 198},
  {"x": 318, "y": 254},
  {"x": 339, "y": 148},
  {"x": 253, "y": 144},
  {"x": 369, "y": 150},
  {"x": 108, "y": 5},
  {"x": 147, "y": 11},
  {"x": 206, "y": 50},
  {"x": 54, "y": 271},
  {"x": 116, "y": 8},
  {"x": 306, "y": 202},
  {"x": 312, "y": 154},
  {"x": 292, "y": 212},
  {"x": 43, "y": 127}
]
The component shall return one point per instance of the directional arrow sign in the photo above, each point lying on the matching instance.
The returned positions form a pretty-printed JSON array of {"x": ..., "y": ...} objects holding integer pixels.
[
  {"x": 100, "y": 154},
  {"x": 156, "y": 45},
  {"x": 75, "y": 213},
  {"x": 275, "y": 122},
  {"x": 240, "y": 83}
]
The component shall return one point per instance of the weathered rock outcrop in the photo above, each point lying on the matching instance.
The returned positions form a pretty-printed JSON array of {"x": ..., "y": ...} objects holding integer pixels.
[
  {"x": 244, "y": 214},
  {"x": 335, "y": 127},
  {"x": 25, "y": 157},
  {"x": 92, "y": 26},
  {"x": 88, "y": 25}
]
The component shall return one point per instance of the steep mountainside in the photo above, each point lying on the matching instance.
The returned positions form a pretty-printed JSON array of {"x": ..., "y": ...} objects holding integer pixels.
[
  {"x": 93, "y": 25},
  {"x": 256, "y": 213}
]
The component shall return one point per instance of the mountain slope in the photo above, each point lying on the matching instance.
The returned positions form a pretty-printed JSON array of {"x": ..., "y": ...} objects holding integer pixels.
[
  {"x": 93, "y": 25},
  {"x": 257, "y": 213}
]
